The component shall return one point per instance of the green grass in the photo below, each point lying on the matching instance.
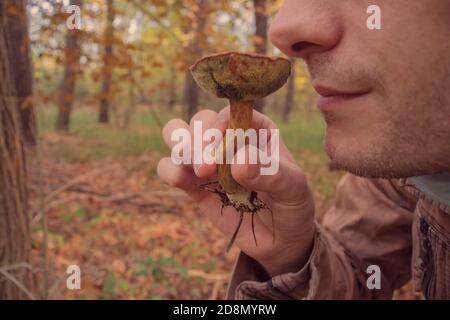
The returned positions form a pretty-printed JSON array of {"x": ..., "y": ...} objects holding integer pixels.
[
  {"x": 88, "y": 140},
  {"x": 301, "y": 133}
]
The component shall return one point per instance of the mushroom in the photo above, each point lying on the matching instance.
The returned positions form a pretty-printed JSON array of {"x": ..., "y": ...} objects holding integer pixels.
[{"x": 241, "y": 78}]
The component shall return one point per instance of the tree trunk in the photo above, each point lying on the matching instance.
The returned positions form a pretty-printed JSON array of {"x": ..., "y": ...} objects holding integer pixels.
[
  {"x": 103, "y": 116},
  {"x": 128, "y": 113},
  {"x": 260, "y": 42},
  {"x": 194, "y": 51},
  {"x": 289, "y": 102},
  {"x": 66, "y": 97},
  {"x": 19, "y": 55},
  {"x": 15, "y": 280},
  {"x": 191, "y": 94},
  {"x": 172, "y": 88}
]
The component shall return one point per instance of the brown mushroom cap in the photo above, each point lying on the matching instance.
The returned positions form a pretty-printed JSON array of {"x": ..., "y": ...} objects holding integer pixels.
[{"x": 241, "y": 76}]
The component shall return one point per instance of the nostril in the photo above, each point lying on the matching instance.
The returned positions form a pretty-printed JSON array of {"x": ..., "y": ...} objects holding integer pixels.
[{"x": 301, "y": 46}]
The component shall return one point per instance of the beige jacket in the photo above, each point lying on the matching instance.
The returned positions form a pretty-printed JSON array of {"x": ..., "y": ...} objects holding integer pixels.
[{"x": 388, "y": 223}]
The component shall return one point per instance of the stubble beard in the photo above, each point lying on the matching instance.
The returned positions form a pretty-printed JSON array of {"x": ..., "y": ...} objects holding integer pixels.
[
  {"x": 413, "y": 142},
  {"x": 415, "y": 136}
]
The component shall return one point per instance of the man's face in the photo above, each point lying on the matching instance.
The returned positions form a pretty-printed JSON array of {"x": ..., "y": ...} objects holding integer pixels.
[{"x": 385, "y": 94}]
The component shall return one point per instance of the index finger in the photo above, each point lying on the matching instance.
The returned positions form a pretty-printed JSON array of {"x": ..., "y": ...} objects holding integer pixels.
[{"x": 170, "y": 127}]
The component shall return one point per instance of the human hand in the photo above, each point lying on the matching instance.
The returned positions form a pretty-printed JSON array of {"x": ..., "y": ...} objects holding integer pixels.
[{"x": 286, "y": 193}]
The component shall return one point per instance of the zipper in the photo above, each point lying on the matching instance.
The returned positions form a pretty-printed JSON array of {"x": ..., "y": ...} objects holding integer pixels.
[{"x": 427, "y": 256}]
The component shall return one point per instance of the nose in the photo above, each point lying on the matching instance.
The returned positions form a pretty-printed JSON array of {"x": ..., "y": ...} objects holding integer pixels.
[{"x": 305, "y": 27}]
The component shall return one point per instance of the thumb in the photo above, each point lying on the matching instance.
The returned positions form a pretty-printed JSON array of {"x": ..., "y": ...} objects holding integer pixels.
[{"x": 284, "y": 181}]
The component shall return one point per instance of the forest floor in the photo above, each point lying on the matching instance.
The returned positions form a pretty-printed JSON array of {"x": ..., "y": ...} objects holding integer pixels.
[{"x": 133, "y": 237}]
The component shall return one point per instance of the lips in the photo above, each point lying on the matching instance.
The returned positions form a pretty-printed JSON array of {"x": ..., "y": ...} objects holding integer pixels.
[{"x": 330, "y": 99}]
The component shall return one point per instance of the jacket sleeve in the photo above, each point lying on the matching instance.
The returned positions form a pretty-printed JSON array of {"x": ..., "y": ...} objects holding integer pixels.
[{"x": 369, "y": 224}]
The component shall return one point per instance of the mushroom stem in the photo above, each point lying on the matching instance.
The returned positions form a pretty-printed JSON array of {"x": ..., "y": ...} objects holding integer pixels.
[{"x": 241, "y": 113}]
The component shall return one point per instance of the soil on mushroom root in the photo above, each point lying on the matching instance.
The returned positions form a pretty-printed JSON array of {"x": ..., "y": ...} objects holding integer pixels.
[{"x": 254, "y": 206}]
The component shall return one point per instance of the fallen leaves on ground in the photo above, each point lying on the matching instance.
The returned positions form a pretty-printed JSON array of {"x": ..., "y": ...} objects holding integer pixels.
[{"x": 132, "y": 236}]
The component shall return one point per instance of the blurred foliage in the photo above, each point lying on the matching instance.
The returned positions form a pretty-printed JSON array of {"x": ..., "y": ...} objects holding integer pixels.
[
  {"x": 133, "y": 236},
  {"x": 151, "y": 39}
]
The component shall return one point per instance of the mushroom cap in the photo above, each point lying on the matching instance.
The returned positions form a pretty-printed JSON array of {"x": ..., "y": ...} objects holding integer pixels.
[{"x": 241, "y": 76}]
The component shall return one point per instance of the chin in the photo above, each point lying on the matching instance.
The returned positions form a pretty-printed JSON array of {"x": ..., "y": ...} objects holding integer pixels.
[
  {"x": 377, "y": 163},
  {"x": 361, "y": 160}
]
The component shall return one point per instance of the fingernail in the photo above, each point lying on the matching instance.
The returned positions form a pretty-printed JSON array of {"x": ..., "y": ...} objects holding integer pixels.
[
  {"x": 196, "y": 167},
  {"x": 253, "y": 171}
]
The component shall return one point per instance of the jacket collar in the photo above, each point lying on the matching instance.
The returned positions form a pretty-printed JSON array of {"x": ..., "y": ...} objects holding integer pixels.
[
  {"x": 435, "y": 186},
  {"x": 409, "y": 186}
]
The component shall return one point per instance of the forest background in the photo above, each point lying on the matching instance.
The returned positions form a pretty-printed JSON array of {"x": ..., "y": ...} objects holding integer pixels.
[{"x": 82, "y": 106}]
